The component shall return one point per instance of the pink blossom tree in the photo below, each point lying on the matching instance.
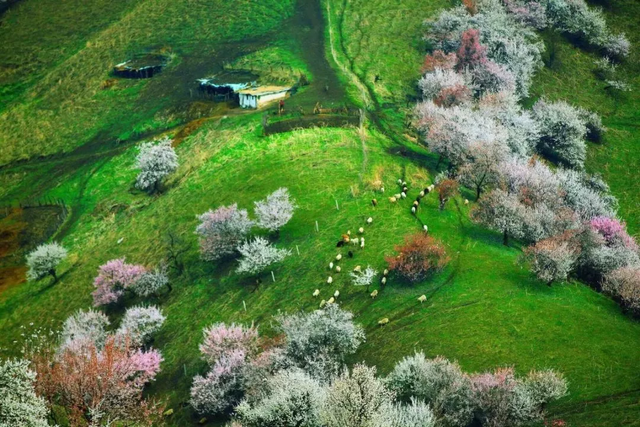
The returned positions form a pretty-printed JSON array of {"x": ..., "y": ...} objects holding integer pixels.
[
  {"x": 114, "y": 277},
  {"x": 611, "y": 230},
  {"x": 554, "y": 258},
  {"x": 221, "y": 339},
  {"x": 221, "y": 231},
  {"x": 439, "y": 59},
  {"x": 471, "y": 52}
]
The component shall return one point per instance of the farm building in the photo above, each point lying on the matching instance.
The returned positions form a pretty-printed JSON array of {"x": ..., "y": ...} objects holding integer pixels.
[
  {"x": 141, "y": 66},
  {"x": 261, "y": 95}
]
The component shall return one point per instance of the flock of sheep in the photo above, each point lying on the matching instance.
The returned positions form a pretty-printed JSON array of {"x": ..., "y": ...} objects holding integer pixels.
[{"x": 348, "y": 239}]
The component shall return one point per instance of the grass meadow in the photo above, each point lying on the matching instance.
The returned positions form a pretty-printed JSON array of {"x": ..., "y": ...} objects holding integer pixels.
[{"x": 484, "y": 310}]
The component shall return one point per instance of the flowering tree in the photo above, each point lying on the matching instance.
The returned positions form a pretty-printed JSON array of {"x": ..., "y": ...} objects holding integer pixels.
[
  {"x": 100, "y": 385},
  {"x": 82, "y": 327},
  {"x": 447, "y": 188},
  {"x": 439, "y": 383},
  {"x": 364, "y": 277},
  {"x": 221, "y": 340},
  {"x": 155, "y": 161},
  {"x": 439, "y": 59},
  {"x": 503, "y": 399},
  {"x": 140, "y": 323},
  {"x": 554, "y": 258},
  {"x": 420, "y": 256},
  {"x": 258, "y": 254},
  {"x": 623, "y": 284},
  {"x": 114, "y": 277},
  {"x": 433, "y": 83},
  {"x": 322, "y": 337},
  {"x": 150, "y": 282},
  {"x": 562, "y": 132},
  {"x": 44, "y": 260},
  {"x": 291, "y": 399},
  {"x": 19, "y": 403},
  {"x": 471, "y": 53},
  {"x": 229, "y": 351},
  {"x": 275, "y": 211},
  {"x": 415, "y": 414},
  {"x": 483, "y": 167},
  {"x": 502, "y": 212},
  {"x": 612, "y": 231},
  {"x": 221, "y": 231},
  {"x": 356, "y": 399}
]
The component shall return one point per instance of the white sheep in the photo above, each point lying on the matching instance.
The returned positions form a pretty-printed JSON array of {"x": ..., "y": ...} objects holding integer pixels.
[
  {"x": 362, "y": 243},
  {"x": 361, "y": 230},
  {"x": 385, "y": 272},
  {"x": 316, "y": 292},
  {"x": 330, "y": 280},
  {"x": 466, "y": 201},
  {"x": 413, "y": 210},
  {"x": 399, "y": 181},
  {"x": 338, "y": 269},
  {"x": 403, "y": 195},
  {"x": 336, "y": 294},
  {"x": 425, "y": 228},
  {"x": 431, "y": 187},
  {"x": 404, "y": 183},
  {"x": 338, "y": 257},
  {"x": 382, "y": 189},
  {"x": 348, "y": 232},
  {"x": 322, "y": 303},
  {"x": 331, "y": 266},
  {"x": 383, "y": 281},
  {"x": 374, "y": 294},
  {"x": 331, "y": 300},
  {"x": 357, "y": 268},
  {"x": 383, "y": 322},
  {"x": 422, "y": 193},
  {"x": 369, "y": 220},
  {"x": 422, "y": 298},
  {"x": 397, "y": 196},
  {"x": 393, "y": 199},
  {"x": 355, "y": 240}
]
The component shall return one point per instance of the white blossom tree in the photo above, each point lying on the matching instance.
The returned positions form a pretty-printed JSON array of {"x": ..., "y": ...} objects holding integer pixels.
[
  {"x": 83, "y": 327},
  {"x": 258, "y": 254},
  {"x": 140, "y": 323},
  {"x": 364, "y": 277},
  {"x": 150, "y": 282},
  {"x": 356, "y": 399},
  {"x": 43, "y": 261},
  {"x": 19, "y": 404},
  {"x": 415, "y": 414},
  {"x": 155, "y": 161},
  {"x": 276, "y": 210}
]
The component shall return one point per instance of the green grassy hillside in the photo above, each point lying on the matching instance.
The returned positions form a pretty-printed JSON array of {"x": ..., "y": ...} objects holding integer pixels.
[{"x": 485, "y": 310}]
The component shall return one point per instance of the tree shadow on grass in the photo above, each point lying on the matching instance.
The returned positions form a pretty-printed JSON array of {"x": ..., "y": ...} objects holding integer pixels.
[{"x": 421, "y": 159}]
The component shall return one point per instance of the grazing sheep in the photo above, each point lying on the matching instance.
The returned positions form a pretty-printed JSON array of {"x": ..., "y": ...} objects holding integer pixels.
[
  {"x": 382, "y": 189},
  {"x": 362, "y": 243},
  {"x": 331, "y": 300},
  {"x": 355, "y": 240},
  {"x": 427, "y": 190},
  {"x": 323, "y": 303},
  {"x": 416, "y": 203},
  {"x": 404, "y": 183},
  {"x": 397, "y": 196},
  {"x": 357, "y": 268},
  {"x": 369, "y": 220},
  {"x": 466, "y": 201},
  {"x": 383, "y": 322},
  {"x": 374, "y": 202},
  {"x": 338, "y": 257},
  {"x": 346, "y": 238},
  {"x": 350, "y": 254},
  {"x": 422, "y": 193},
  {"x": 425, "y": 228},
  {"x": 374, "y": 294},
  {"x": 330, "y": 280},
  {"x": 331, "y": 266},
  {"x": 336, "y": 294},
  {"x": 422, "y": 298},
  {"x": 338, "y": 269},
  {"x": 361, "y": 230},
  {"x": 413, "y": 210},
  {"x": 399, "y": 181},
  {"x": 405, "y": 189},
  {"x": 340, "y": 244},
  {"x": 392, "y": 199},
  {"x": 383, "y": 281},
  {"x": 403, "y": 195},
  {"x": 316, "y": 292},
  {"x": 431, "y": 187},
  {"x": 385, "y": 272},
  {"x": 348, "y": 232}
]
